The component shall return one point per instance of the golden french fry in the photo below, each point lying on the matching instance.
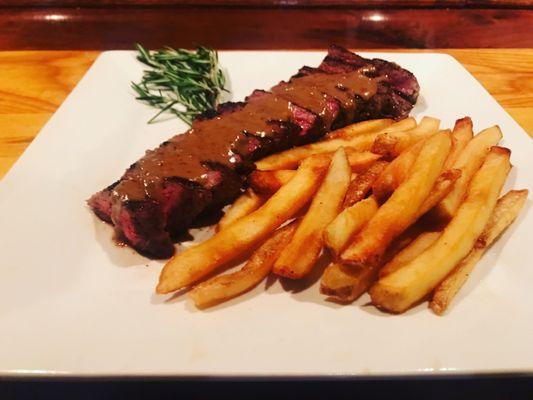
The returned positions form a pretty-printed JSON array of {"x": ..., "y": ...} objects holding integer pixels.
[
  {"x": 224, "y": 287},
  {"x": 391, "y": 144},
  {"x": 397, "y": 171},
  {"x": 401, "y": 289},
  {"x": 247, "y": 203},
  {"x": 269, "y": 182},
  {"x": 345, "y": 226},
  {"x": 227, "y": 245},
  {"x": 300, "y": 255},
  {"x": 403, "y": 240},
  {"x": 462, "y": 133},
  {"x": 413, "y": 250},
  {"x": 362, "y": 183},
  {"x": 359, "y": 128},
  {"x": 507, "y": 209},
  {"x": 402, "y": 125},
  {"x": 469, "y": 161},
  {"x": 359, "y": 160},
  {"x": 345, "y": 283},
  {"x": 290, "y": 159},
  {"x": 402, "y": 207},
  {"x": 442, "y": 187}
]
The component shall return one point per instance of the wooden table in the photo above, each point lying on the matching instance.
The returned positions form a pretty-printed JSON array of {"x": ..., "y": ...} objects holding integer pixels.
[{"x": 34, "y": 83}]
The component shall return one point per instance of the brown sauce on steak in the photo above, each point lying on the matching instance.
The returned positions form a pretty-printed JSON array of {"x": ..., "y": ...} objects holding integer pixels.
[
  {"x": 315, "y": 89},
  {"x": 212, "y": 140}
]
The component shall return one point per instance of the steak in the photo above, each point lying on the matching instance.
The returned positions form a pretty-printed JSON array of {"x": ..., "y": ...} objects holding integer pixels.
[{"x": 198, "y": 172}]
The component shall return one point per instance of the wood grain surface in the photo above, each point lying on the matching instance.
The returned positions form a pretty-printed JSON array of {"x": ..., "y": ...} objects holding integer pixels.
[
  {"x": 101, "y": 28},
  {"x": 35, "y": 83}
]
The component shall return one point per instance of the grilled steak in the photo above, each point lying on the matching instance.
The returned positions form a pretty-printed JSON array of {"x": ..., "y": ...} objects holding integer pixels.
[{"x": 205, "y": 168}]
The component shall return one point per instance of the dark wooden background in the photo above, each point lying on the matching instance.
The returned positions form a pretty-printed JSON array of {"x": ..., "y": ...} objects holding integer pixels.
[
  {"x": 265, "y": 24},
  {"x": 274, "y": 3}
]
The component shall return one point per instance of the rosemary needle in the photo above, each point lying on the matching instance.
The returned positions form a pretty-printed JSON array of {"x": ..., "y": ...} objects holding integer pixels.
[{"x": 183, "y": 82}]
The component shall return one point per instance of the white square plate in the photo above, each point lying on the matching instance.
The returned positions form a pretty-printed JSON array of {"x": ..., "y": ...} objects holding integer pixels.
[{"x": 72, "y": 303}]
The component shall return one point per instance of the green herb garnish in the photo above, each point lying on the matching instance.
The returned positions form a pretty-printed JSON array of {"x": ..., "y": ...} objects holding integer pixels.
[{"x": 183, "y": 82}]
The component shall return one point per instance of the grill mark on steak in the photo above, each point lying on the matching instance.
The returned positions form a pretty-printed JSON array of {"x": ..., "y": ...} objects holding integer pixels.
[
  {"x": 392, "y": 80},
  {"x": 192, "y": 174}
]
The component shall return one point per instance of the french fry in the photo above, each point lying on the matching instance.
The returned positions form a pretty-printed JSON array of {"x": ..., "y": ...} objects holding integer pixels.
[
  {"x": 227, "y": 245},
  {"x": 402, "y": 207},
  {"x": 403, "y": 240},
  {"x": 344, "y": 283},
  {"x": 362, "y": 183},
  {"x": 462, "y": 133},
  {"x": 268, "y": 182},
  {"x": 397, "y": 171},
  {"x": 401, "y": 289},
  {"x": 507, "y": 209},
  {"x": 224, "y": 287},
  {"x": 442, "y": 187},
  {"x": 300, "y": 255},
  {"x": 290, "y": 159},
  {"x": 469, "y": 161},
  {"x": 402, "y": 125},
  {"x": 247, "y": 202},
  {"x": 375, "y": 125},
  {"x": 345, "y": 226},
  {"x": 391, "y": 144},
  {"x": 359, "y": 128},
  {"x": 359, "y": 160},
  {"x": 409, "y": 253}
]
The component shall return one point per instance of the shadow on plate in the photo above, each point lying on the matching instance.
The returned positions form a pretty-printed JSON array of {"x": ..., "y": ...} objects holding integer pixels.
[{"x": 308, "y": 289}]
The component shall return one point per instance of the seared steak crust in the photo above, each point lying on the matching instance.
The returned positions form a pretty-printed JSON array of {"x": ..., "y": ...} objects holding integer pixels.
[{"x": 149, "y": 215}]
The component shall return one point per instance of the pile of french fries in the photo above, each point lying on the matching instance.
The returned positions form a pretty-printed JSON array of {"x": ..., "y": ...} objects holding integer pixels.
[{"x": 403, "y": 210}]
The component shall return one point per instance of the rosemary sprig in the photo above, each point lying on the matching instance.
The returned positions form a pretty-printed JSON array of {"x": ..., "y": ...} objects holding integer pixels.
[{"x": 183, "y": 82}]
